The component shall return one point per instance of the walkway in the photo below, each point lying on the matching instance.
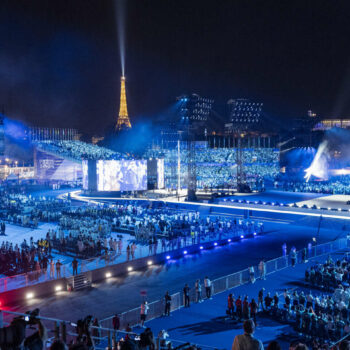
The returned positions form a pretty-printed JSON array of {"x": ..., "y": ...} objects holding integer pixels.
[{"x": 205, "y": 323}]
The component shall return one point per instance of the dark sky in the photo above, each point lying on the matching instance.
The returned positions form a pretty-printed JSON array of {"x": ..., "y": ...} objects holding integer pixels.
[{"x": 60, "y": 65}]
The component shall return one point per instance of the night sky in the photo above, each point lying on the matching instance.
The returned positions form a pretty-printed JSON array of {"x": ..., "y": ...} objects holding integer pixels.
[{"x": 60, "y": 62}]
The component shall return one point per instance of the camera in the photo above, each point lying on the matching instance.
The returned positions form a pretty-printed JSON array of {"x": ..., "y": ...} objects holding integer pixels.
[{"x": 31, "y": 316}]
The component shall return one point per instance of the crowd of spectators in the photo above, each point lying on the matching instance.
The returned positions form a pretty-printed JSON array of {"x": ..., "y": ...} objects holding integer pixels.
[
  {"x": 320, "y": 318},
  {"x": 217, "y": 167},
  {"x": 336, "y": 185},
  {"x": 85, "y": 231},
  {"x": 28, "y": 256},
  {"x": 25, "y": 210},
  {"x": 80, "y": 150}
]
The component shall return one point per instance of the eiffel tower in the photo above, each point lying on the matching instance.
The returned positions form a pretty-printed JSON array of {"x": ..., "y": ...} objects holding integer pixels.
[{"x": 123, "y": 121}]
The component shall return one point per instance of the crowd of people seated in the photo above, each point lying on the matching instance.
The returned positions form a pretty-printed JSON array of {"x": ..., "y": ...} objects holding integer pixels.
[
  {"x": 25, "y": 210},
  {"x": 336, "y": 185},
  {"x": 80, "y": 150},
  {"x": 216, "y": 167}
]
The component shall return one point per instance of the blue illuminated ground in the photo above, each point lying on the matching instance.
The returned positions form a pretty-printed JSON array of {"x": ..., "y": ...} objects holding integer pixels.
[
  {"x": 123, "y": 293},
  {"x": 205, "y": 323}
]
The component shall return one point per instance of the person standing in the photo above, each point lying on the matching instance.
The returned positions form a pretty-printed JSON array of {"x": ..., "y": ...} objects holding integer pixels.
[
  {"x": 75, "y": 266},
  {"x": 246, "y": 340},
  {"x": 251, "y": 274},
  {"x": 133, "y": 248},
  {"x": 186, "y": 292},
  {"x": 128, "y": 253},
  {"x": 261, "y": 299},
  {"x": 52, "y": 269},
  {"x": 143, "y": 313},
  {"x": 284, "y": 249},
  {"x": 207, "y": 285},
  {"x": 198, "y": 288},
  {"x": 262, "y": 269},
  {"x": 3, "y": 228},
  {"x": 253, "y": 310},
  {"x": 304, "y": 256},
  {"x": 58, "y": 268},
  {"x": 116, "y": 322},
  {"x": 293, "y": 256},
  {"x": 230, "y": 304},
  {"x": 167, "y": 299},
  {"x": 120, "y": 246},
  {"x": 245, "y": 308},
  {"x": 239, "y": 310}
]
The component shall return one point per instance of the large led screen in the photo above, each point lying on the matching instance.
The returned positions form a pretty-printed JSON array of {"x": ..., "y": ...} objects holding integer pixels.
[
  {"x": 121, "y": 175},
  {"x": 49, "y": 167}
]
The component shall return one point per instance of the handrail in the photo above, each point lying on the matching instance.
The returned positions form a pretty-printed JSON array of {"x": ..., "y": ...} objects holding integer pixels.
[{"x": 109, "y": 331}]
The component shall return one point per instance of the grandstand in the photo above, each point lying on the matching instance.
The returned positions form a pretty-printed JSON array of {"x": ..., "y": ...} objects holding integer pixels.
[
  {"x": 216, "y": 166},
  {"x": 61, "y": 160},
  {"x": 78, "y": 150}
]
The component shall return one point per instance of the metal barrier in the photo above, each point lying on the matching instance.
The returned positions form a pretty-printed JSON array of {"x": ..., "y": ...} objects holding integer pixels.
[
  {"x": 225, "y": 283},
  {"x": 112, "y": 258}
]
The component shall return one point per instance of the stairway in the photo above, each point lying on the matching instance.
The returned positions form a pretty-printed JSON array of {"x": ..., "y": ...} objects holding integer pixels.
[{"x": 79, "y": 282}]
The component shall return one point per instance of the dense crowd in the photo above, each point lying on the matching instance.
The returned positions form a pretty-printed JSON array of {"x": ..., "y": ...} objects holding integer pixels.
[
  {"x": 79, "y": 150},
  {"x": 26, "y": 210},
  {"x": 321, "y": 318},
  {"x": 29, "y": 256},
  {"x": 337, "y": 185},
  {"x": 216, "y": 167},
  {"x": 85, "y": 231}
]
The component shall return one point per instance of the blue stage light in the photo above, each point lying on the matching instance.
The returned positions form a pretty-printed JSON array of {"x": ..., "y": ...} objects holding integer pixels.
[
  {"x": 254, "y": 233},
  {"x": 185, "y": 252},
  {"x": 168, "y": 257},
  {"x": 215, "y": 244},
  {"x": 242, "y": 236},
  {"x": 201, "y": 247},
  {"x": 229, "y": 240}
]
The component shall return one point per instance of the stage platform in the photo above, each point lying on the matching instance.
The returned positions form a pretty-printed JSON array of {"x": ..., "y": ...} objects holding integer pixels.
[
  {"x": 276, "y": 196},
  {"x": 337, "y": 201}
]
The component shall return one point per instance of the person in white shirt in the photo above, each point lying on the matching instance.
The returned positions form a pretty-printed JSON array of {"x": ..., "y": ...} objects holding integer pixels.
[
  {"x": 246, "y": 340},
  {"x": 207, "y": 285},
  {"x": 143, "y": 313}
]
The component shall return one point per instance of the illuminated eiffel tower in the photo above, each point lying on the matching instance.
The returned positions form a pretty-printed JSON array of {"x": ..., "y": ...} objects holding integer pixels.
[{"x": 123, "y": 121}]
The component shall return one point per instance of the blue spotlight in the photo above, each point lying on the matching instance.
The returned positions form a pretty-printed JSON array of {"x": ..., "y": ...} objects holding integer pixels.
[
  {"x": 254, "y": 233},
  {"x": 168, "y": 257},
  {"x": 201, "y": 247},
  {"x": 215, "y": 244},
  {"x": 185, "y": 252},
  {"x": 242, "y": 236},
  {"x": 229, "y": 240}
]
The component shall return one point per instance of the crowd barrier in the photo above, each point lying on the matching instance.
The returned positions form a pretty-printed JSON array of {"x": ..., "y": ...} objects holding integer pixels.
[
  {"x": 112, "y": 258},
  {"x": 222, "y": 284}
]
